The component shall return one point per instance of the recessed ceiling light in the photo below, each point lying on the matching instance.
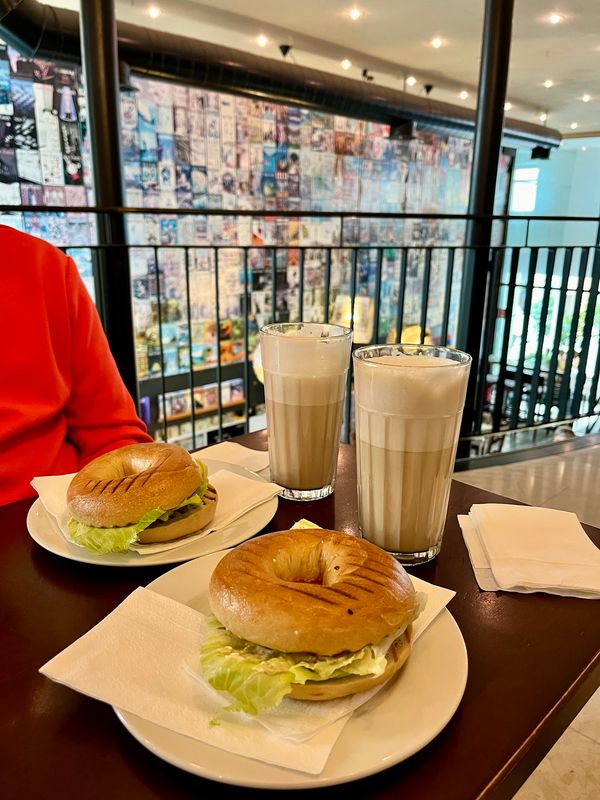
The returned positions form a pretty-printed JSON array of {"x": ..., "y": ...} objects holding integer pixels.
[
  {"x": 507, "y": 106},
  {"x": 153, "y": 12},
  {"x": 355, "y": 13},
  {"x": 555, "y": 18},
  {"x": 548, "y": 84},
  {"x": 585, "y": 98},
  {"x": 346, "y": 63},
  {"x": 262, "y": 40},
  {"x": 573, "y": 126},
  {"x": 436, "y": 42},
  {"x": 463, "y": 95},
  {"x": 583, "y": 149},
  {"x": 543, "y": 116},
  {"x": 411, "y": 80}
]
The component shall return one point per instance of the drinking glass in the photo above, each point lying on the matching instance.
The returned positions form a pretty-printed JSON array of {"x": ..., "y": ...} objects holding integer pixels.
[
  {"x": 305, "y": 369},
  {"x": 408, "y": 408}
]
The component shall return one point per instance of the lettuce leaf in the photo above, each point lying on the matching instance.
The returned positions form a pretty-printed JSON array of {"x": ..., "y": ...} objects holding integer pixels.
[
  {"x": 201, "y": 490},
  {"x": 118, "y": 540},
  {"x": 258, "y": 678}
]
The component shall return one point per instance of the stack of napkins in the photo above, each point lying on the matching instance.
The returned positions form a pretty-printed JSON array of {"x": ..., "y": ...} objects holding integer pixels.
[
  {"x": 238, "y": 493},
  {"x": 142, "y": 659},
  {"x": 529, "y": 549}
]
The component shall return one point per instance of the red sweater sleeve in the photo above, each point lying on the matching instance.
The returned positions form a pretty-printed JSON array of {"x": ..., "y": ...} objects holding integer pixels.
[
  {"x": 100, "y": 413},
  {"x": 62, "y": 400}
]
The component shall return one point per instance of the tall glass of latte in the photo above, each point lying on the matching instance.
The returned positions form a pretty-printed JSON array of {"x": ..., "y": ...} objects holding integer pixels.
[
  {"x": 408, "y": 407},
  {"x": 305, "y": 368}
]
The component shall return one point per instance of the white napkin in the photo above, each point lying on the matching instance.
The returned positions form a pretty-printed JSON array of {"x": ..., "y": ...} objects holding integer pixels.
[
  {"x": 233, "y": 453},
  {"x": 237, "y": 496},
  {"x": 530, "y": 549},
  {"x": 138, "y": 659}
]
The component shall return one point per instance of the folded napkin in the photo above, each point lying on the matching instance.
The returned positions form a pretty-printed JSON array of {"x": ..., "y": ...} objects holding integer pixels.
[
  {"x": 238, "y": 495},
  {"x": 141, "y": 659},
  {"x": 529, "y": 549},
  {"x": 233, "y": 453}
]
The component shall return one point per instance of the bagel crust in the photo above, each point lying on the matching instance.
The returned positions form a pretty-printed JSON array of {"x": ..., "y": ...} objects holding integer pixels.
[
  {"x": 311, "y": 590},
  {"x": 119, "y": 487}
]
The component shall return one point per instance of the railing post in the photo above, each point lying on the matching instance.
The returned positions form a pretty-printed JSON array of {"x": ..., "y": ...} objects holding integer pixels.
[
  {"x": 493, "y": 75},
  {"x": 101, "y": 72}
]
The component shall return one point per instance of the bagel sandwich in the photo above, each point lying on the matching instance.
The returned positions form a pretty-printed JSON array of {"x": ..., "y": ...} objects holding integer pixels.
[
  {"x": 140, "y": 493},
  {"x": 308, "y": 614}
]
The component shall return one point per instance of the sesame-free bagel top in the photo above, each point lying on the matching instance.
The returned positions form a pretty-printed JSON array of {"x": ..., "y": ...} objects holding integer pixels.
[
  {"x": 119, "y": 487},
  {"x": 311, "y": 590}
]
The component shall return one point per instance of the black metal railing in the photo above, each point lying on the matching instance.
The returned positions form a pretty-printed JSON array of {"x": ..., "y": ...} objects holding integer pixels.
[{"x": 198, "y": 307}]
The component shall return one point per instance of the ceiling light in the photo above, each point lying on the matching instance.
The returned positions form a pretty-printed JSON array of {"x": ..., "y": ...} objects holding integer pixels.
[
  {"x": 548, "y": 84},
  {"x": 355, "y": 13},
  {"x": 346, "y": 63},
  {"x": 555, "y": 18},
  {"x": 436, "y": 42},
  {"x": 543, "y": 116},
  {"x": 573, "y": 126},
  {"x": 507, "y": 106},
  {"x": 153, "y": 12},
  {"x": 585, "y": 98},
  {"x": 583, "y": 149},
  {"x": 262, "y": 40},
  {"x": 463, "y": 95},
  {"x": 411, "y": 80}
]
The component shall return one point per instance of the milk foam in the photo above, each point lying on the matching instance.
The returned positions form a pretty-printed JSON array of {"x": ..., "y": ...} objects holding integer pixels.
[
  {"x": 409, "y": 403},
  {"x": 411, "y": 386},
  {"x": 305, "y": 353}
]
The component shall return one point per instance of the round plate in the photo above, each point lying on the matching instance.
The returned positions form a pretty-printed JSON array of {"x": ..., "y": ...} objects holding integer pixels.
[
  {"x": 43, "y": 529},
  {"x": 396, "y": 723}
]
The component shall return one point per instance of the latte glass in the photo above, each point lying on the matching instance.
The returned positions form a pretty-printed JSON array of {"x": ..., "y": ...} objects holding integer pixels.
[
  {"x": 408, "y": 404},
  {"x": 305, "y": 369}
]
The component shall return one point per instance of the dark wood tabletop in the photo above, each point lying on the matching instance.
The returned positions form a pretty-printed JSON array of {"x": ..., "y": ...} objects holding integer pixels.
[{"x": 533, "y": 663}]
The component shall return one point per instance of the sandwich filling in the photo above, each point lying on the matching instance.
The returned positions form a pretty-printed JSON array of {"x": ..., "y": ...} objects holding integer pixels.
[
  {"x": 258, "y": 678},
  {"x": 118, "y": 540}
]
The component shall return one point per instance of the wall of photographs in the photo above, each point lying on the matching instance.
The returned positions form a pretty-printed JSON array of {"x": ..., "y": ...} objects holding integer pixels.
[{"x": 187, "y": 148}]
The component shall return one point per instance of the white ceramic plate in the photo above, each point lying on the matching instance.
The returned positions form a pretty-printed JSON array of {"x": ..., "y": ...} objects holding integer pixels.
[
  {"x": 44, "y": 530},
  {"x": 397, "y": 722}
]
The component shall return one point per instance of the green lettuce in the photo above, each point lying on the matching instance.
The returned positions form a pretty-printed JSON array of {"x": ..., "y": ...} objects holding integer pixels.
[
  {"x": 118, "y": 540},
  {"x": 258, "y": 678}
]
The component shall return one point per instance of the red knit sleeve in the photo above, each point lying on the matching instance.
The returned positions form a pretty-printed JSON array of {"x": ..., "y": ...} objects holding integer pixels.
[{"x": 100, "y": 413}]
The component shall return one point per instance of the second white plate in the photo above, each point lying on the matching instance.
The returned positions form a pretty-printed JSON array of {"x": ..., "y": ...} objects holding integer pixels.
[{"x": 44, "y": 530}]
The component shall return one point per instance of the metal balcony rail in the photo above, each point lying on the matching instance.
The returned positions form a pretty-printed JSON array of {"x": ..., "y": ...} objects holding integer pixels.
[{"x": 199, "y": 300}]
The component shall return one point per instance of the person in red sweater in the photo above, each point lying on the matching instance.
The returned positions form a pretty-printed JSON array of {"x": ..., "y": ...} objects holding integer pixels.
[{"x": 62, "y": 400}]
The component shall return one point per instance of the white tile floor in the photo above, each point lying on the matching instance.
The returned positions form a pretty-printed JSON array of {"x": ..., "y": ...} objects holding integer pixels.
[{"x": 570, "y": 482}]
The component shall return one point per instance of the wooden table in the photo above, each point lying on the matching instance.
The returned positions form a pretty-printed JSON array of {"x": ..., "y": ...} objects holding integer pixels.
[{"x": 533, "y": 663}]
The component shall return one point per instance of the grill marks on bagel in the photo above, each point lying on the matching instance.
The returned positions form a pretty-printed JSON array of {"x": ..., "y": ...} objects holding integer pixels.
[
  {"x": 119, "y": 487},
  {"x": 311, "y": 590}
]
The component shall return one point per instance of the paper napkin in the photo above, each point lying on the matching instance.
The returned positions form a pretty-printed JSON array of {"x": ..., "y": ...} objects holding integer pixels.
[
  {"x": 233, "y": 453},
  {"x": 530, "y": 549},
  {"x": 139, "y": 659},
  {"x": 237, "y": 496}
]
